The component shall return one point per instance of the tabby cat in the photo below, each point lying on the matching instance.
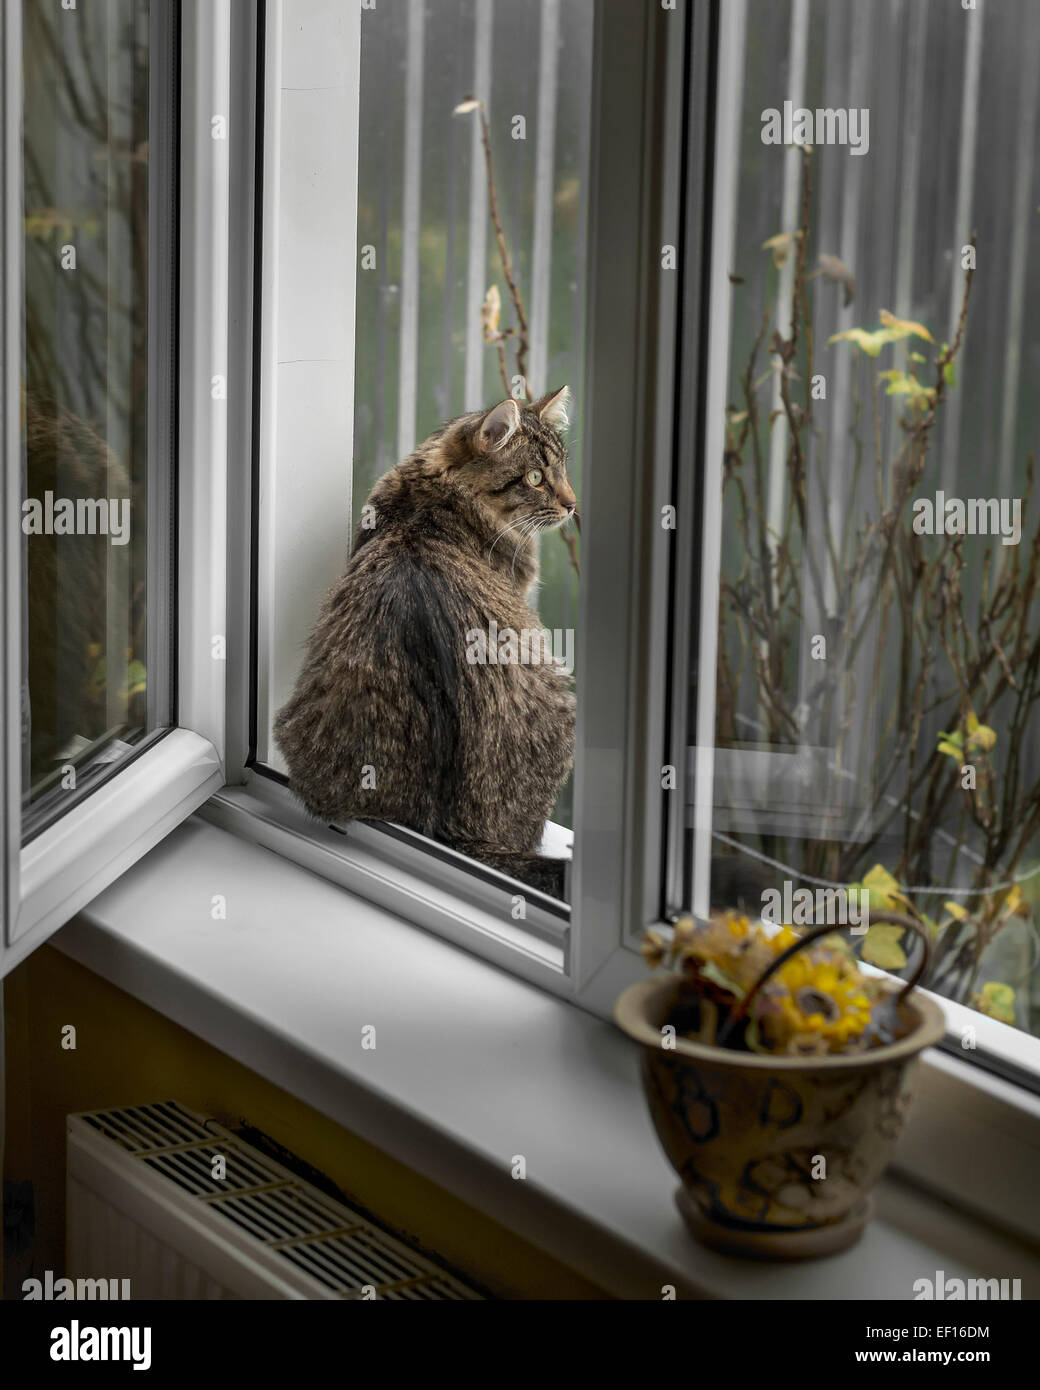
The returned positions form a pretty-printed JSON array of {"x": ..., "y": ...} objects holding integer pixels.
[{"x": 391, "y": 717}]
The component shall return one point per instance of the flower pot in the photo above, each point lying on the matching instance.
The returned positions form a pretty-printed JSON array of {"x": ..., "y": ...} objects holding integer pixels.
[{"x": 777, "y": 1155}]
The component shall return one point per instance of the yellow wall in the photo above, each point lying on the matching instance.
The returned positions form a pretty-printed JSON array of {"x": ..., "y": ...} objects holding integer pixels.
[{"x": 127, "y": 1054}]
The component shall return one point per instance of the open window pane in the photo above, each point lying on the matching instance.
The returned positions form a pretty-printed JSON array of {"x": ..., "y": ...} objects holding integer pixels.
[
  {"x": 97, "y": 513},
  {"x": 876, "y": 685},
  {"x": 425, "y": 348}
]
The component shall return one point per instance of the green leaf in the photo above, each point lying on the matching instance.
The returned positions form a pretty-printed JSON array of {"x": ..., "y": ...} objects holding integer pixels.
[
  {"x": 881, "y": 947},
  {"x": 952, "y": 745}
]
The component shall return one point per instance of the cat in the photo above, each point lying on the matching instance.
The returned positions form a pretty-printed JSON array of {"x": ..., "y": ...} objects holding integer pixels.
[{"x": 391, "y": 717}]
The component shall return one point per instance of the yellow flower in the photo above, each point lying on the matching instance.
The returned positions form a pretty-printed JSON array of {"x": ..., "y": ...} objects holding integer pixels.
[{"x": 816, "y": 996}]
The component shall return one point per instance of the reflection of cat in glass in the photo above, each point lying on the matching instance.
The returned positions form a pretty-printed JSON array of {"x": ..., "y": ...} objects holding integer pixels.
[
  {"x": 68, "y": 594},
  {"x": 391, "y": 718}
]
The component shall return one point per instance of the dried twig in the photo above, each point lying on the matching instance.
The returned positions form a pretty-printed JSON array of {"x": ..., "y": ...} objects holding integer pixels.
[{"x": 520, "y": 333}]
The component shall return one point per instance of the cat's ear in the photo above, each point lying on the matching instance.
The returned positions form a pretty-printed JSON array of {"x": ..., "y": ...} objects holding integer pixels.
[
  {"x": 552, "y": 408},
  {"x": 498, "y": 426}
]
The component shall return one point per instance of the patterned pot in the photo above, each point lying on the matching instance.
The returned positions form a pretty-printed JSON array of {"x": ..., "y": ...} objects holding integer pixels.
[{"x": 777, "y": 1155}]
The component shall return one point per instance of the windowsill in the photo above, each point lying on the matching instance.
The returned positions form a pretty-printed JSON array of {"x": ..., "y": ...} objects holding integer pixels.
[{"x": 472, "y": 1066}]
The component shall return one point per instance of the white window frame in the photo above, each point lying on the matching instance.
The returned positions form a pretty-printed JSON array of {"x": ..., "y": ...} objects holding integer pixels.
[
  {"x": 422, "y": 881},
  {"x": 49, "y": 879}
]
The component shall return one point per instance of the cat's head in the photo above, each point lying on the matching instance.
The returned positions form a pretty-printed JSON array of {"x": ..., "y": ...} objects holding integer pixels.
[{"x": 512, "y": 460}]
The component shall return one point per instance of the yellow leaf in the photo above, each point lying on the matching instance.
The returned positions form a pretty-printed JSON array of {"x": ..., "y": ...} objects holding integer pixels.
[
  {"x": 996, "y": 1001},
  {"x": 1015, "y": 904},
  {"x": 957, "y": 910},
  {"x": 870, "y": 343},
  {"x": 881, "y": 947},
  {"x": 884, "y": 892},
  {"x": 904, "y": 327},
  {"x": 490, "y": 311},
  {"x": 981, "y": 737},
  {"x": 902, "y": 385},
  {"x": 780, "y": 245}
]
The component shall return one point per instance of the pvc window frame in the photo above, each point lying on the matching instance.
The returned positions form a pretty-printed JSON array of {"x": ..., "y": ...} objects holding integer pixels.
[
  {"x": 580, "y": 952},
  {"x": 47, "y": 880},
  {"x": 980, "y": 1089}
]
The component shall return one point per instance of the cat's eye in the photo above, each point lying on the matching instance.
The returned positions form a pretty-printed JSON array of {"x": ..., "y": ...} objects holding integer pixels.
[{"x": 534, "y": 477}]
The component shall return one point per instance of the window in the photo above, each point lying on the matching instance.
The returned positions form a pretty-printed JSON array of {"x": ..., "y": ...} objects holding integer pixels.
[
  {"x": 694, "y": 778},
  {"x": 866, "y": 694},
  {"x": 369, "y": 326},
  {"x": 97, "y": 444},
  {"x": 112, "y": 604},
  {"x": 393, "y": 338}
]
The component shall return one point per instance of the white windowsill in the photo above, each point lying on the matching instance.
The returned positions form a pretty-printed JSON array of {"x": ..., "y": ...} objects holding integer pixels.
[{"x": 472, "y": 1066}]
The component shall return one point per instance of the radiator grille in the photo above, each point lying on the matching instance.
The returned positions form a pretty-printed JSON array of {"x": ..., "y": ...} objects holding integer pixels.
[{"x": 337, "y": 1248}]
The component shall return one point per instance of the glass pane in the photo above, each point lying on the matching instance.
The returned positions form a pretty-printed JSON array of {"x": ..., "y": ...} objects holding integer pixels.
[
  {"x": 428, "y": 255},
  {"x": 97, "y": 395},
  {"x": 879, "y": 636},
  {"x": 426, "y": 370}
]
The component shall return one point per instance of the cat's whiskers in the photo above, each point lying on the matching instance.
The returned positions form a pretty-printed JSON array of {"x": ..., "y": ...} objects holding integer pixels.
[
  {"x": 531, "y": 527},
  {"x": 505, "y": 531}
]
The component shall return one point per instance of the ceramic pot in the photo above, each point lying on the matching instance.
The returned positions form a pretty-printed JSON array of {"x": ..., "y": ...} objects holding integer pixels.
[{"x": 777, "y": 1155}]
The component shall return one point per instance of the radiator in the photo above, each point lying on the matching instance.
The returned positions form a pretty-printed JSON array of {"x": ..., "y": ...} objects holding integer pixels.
[{"x": 143, "y": 1204}]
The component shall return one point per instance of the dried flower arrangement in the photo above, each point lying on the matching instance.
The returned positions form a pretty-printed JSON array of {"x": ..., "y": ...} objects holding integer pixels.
[{"x": 775, "y": 991}]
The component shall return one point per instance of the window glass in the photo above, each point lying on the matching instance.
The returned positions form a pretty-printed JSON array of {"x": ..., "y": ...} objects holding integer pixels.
[
  {"x": 878, "y": 671},
  {"x": 469, "y": 291},
  {"x": 97, "y": 391},
  {"x": 424, "y": 209}
]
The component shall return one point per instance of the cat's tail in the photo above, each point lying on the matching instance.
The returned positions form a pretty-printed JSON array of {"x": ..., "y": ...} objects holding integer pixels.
[{"x": 536, "y": 870}]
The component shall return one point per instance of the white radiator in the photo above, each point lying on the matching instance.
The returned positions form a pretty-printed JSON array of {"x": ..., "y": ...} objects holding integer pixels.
[{"x": 144, "y": 1204}]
